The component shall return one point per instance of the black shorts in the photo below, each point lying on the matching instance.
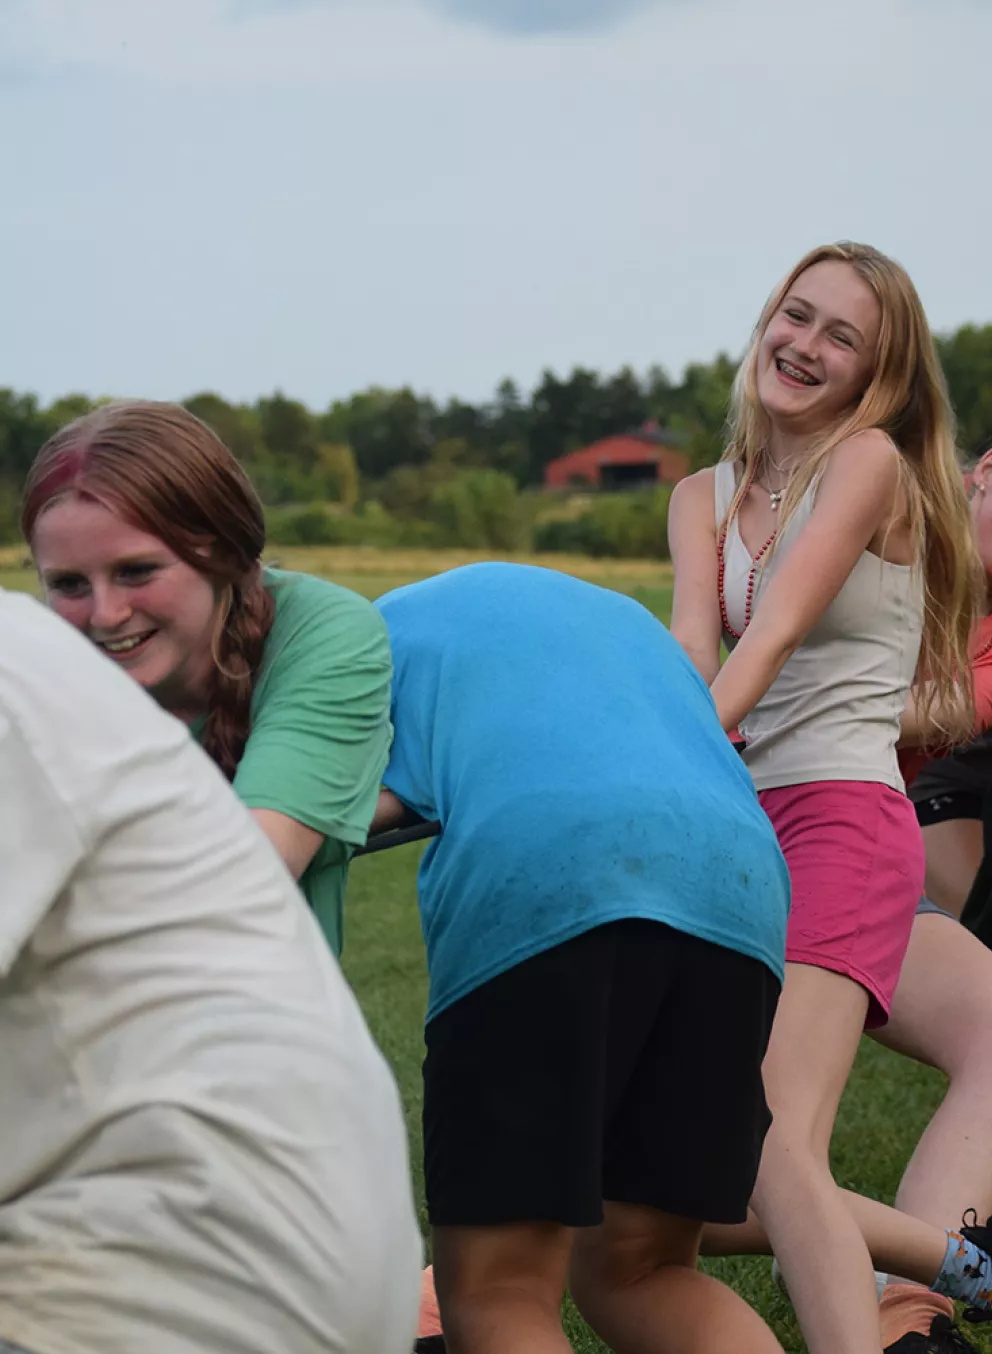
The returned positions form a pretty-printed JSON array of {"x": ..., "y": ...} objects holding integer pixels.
[
  {"x": 622, "y": 1065},
  {"x": 946, "y": 805}
]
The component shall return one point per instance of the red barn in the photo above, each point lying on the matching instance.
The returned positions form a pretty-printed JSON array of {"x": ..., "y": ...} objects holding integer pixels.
[{"x": 626, "y": 461}]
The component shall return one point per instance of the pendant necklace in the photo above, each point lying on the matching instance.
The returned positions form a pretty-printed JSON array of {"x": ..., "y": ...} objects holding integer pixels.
[{"x": 774, "y": 495}]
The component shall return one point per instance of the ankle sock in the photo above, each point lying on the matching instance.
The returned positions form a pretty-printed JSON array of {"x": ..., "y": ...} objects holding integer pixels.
[{"x": 966, "y": 1274}]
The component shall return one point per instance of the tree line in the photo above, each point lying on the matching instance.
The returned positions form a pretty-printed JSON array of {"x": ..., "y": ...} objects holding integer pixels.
[{"x": 397, "y": 467}]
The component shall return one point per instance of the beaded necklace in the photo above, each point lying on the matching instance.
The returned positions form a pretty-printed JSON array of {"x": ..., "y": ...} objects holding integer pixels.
[{"x": 752, "y": 574}]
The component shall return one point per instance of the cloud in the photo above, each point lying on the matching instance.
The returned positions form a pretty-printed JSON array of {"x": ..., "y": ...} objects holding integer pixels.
[
  {"x": 503, "y": 16},
  {"x": 542, "y": 16},
  {"x": 275, "y": 44},
  {"x": 250, "y": 9}
]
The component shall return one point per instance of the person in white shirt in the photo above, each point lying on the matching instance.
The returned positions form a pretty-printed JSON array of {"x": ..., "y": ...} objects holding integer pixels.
[{"x": 201, "y": 1149}]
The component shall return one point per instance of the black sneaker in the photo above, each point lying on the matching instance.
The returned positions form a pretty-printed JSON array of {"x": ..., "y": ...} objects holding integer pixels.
[
  {"x": 943, "y": 1339},
  {"x": 980, "y": 1235}
]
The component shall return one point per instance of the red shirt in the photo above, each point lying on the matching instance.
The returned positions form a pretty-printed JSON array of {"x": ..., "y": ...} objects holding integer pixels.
[{"x": 913, "y": 760}]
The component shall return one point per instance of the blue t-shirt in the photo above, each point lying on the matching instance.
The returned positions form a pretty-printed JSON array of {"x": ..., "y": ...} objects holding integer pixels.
[{"x": 575, "y": 760}]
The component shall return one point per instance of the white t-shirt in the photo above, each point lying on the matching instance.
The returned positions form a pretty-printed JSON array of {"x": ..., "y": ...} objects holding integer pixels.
[{"x": 201, "y": 1149}]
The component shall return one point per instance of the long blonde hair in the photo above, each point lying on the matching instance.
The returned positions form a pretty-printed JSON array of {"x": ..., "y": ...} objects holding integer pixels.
[{"x": 907, "y": 399}]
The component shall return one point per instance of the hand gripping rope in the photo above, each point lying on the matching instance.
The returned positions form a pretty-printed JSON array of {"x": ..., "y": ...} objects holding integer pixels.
[{"x": 400, "y": 836}]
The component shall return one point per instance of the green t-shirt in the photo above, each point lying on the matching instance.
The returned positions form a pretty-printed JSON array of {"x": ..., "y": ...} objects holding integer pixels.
[{"x": 320, "y": 730}]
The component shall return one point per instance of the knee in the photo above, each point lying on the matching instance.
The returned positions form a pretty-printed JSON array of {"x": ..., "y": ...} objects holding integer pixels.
[
  {"x": 507, "y": 1305},
  {"x": 482, "y": 1269},
  {"x": 957, "y": 1044},
  {"x": 968, "y": 1067},
  {"x": 792, "y": 1160},
  {"x": 617, "y": 1256}
]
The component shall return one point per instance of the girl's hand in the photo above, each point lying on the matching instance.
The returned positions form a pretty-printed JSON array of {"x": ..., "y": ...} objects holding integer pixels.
[{"x": 856, "y": 498}]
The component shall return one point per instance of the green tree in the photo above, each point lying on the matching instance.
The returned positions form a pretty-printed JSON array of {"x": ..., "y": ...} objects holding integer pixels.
[
  {"x": 67, "y": 409},
  {"x": 384, "y": 428},
  {"x": 337, "y": 473},
  {"x": 698, "y": 407},
  {"x": 623, "y": 404},
  {"x": 23, "y": 430},
  {"x": 407, "y": 490},
  {"x": 966, "y": 357},
  {"x": 478, "y": 509},
  {"x": 236, "y": 426},
  {"x": 507, "y": 421}
]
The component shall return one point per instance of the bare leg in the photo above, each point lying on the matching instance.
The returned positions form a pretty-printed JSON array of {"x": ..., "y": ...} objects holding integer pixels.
[
  {"x": 940, "y": 1016},
  {"x": 500, "y": 1288},
  {"x": 942, "y": 1008},
  {"x": 635, "y": 1281},
  {"x": 824, "y": 1259},
  {"x": 897, "y": 1243},
  {"x": 741, "y": 1238},
  {"x": 954, "y": 852}
]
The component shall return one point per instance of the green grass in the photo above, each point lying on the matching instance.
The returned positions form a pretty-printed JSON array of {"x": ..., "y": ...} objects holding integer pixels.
[
  {"x": 888, "y": 1101},
  {"x": 887, "y": 1104}
]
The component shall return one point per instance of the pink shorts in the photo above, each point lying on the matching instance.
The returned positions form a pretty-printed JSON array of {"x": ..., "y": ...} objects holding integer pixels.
[{"x": 855, "y": 857}]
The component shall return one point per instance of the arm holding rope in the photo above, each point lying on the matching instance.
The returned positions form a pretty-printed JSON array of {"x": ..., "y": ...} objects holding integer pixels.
[
  {"x": 696, "y": 620},
  {"x": 854, "y": 503}
]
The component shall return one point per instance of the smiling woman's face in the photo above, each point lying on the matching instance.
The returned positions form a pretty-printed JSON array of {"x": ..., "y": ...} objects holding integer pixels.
[
  {"x": 143, "y": 606},
  {"x": 817, "y": 355}
]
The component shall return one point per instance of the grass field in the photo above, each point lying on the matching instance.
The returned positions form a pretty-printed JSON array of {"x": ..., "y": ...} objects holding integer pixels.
[{"x": 888, "y": 1101}]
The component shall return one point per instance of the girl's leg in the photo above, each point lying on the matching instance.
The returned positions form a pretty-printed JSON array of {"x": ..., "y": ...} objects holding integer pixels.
[
  {"x": 818, "y": 1244},
  {"x": 500, "y": 1288},
  {"x": 897, "y": 1243},
  {"x": 635, "y": 1281},
  {"x": 954, "y": 849},
  {"x": 808, "y": 1060},
  {"x": 941, "y": 1010},
  {"x": 941, "y": 1015}
]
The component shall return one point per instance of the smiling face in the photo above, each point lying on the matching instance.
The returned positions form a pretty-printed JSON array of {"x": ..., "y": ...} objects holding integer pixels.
[
  {"x": 816, "y": 357},
  {"x": 142, "y": 605}
]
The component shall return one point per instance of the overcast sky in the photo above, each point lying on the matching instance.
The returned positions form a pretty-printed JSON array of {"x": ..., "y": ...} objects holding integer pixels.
[{"x": 320, "y": 195}]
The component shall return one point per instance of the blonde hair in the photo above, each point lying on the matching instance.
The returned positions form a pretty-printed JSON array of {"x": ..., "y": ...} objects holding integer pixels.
[{"x": 907, "y": 399}]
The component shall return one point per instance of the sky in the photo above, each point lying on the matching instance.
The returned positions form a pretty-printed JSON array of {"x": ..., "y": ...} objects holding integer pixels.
[{"x": 322, "y": 195}]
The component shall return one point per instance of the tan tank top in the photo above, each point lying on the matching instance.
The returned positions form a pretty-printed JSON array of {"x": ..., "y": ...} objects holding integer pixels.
[{"x": 834, "y": 710}]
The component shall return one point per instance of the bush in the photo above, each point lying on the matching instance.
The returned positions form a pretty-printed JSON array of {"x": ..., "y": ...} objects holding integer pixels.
[
  {"x": 310, "y": 525},
  {"x": 10, "y": 525},
  {"x": 314, "y": 524},
  {"x": 625, "y": 526},
  {"x": 571, "y": 536},
  {"x": 478, "y": 509}
]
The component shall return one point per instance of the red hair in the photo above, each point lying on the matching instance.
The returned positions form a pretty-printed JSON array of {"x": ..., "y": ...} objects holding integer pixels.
[{"x": 164, "y": 471}]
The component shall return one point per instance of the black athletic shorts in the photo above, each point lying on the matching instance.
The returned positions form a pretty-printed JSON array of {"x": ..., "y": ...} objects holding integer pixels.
[
  {"x": 622, "y": 1065},
  {"x": 948, "y": 804}
]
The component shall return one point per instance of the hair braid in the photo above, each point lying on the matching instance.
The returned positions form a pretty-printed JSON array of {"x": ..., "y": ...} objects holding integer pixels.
[
  {"x": 239, "y": 646},
  {"x": 166, "y": 472}
]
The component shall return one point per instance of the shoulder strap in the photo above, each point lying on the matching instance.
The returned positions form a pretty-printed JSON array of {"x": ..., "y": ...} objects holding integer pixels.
[{"x": 724, "y": 487}]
